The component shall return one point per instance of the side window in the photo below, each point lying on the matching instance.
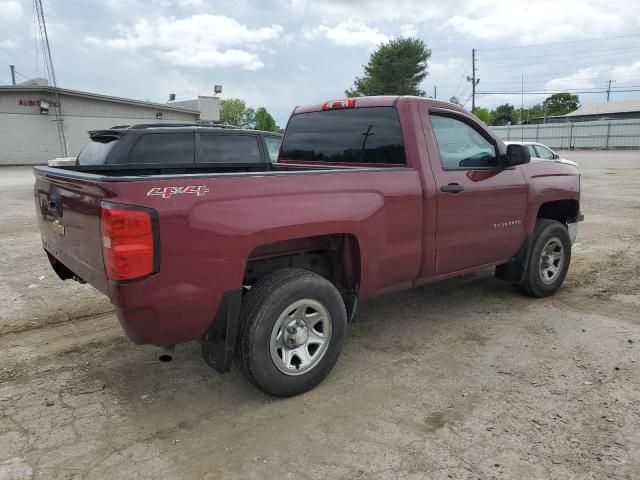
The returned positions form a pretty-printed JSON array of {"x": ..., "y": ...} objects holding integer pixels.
[
  {"x": 163, "y": 148},
  {"x": 273, "y": 147},
  {"x": 544, "y": 152},
  {"x": 461, "y": 146},
  {"x": 229, "y": 149},
  {"x": 532, "y": 151}
]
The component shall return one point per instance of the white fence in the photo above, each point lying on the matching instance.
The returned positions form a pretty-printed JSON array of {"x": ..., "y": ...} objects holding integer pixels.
[{"x": 602, "y": 134}]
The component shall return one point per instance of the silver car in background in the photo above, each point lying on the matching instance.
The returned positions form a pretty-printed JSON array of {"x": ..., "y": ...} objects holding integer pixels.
[{"x": 542, "y": 152}]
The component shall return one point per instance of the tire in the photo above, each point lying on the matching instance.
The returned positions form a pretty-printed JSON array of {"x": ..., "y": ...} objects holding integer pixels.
[
  {"x": 273, "y": 357},
  {"x": 551, "y": 248}
]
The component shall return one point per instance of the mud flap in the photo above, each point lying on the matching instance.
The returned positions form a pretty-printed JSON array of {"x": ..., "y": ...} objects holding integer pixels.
[
  {"x": 218, "y": 345},
  {"x": 514, "y": 270}
]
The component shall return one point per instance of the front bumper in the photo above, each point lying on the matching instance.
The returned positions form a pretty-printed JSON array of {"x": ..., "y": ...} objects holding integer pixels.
[{"x": 573, "y": 228}]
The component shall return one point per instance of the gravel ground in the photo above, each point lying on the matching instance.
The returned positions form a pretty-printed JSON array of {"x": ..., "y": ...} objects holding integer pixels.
[{"x": 463, "y": 379}]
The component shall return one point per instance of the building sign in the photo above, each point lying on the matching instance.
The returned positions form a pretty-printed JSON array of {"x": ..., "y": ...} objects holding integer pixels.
[{"x": 36, "y": 103}]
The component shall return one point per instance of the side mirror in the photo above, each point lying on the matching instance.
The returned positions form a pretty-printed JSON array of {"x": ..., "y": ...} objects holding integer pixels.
[
  {"x": 556, "y": 156},
  {"x": 517, "y": 155}
]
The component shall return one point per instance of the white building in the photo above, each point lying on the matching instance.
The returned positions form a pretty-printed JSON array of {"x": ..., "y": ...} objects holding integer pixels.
[{"x": 28, "y": 126}]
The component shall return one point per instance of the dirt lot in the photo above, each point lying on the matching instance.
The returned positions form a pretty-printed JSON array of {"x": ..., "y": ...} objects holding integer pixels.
[{"x": 464, "y": 379}]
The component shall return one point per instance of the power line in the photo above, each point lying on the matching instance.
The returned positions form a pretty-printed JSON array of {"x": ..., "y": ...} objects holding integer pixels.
[
  {"x": 551, "y": 92},
  {"x": 23, "y": 76},
  {"x": 493, "y": 66},
  {"x": 520, "y": 57},
  {"x": 560, "y": 43},
  {"x": 595, "y": 79}
]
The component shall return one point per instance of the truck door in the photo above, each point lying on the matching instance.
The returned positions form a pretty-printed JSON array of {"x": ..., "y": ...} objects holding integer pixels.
[{"x": 480, "y": 207}]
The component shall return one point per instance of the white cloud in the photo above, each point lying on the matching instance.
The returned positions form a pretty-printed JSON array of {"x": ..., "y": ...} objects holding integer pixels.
[
  {"x": 8, "y": 44},
  {"x": 595, "y": 76},
  {"x": 452, "y": 64},
  {"x": 626, "y": 71},
  {"x": 348, "y": 34},
  {"x": 370, "y": 10},
  {"x": 583, "y": 78},
  {"x": 10, "y": 11},
  {"x": 198, "y": 41},
  {"x": 190, "y": 3},
  {"x": 543, "y": 21},
  {"x": 408, "y": 30}
]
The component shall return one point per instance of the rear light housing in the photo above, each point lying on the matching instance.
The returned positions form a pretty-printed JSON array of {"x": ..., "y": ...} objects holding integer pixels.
[
  {"x": 339, "y": 104},
  {"x": 129, "y": 241}
]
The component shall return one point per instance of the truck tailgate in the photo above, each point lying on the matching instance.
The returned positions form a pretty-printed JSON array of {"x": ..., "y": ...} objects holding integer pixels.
[{"x": 68, "y": 211}]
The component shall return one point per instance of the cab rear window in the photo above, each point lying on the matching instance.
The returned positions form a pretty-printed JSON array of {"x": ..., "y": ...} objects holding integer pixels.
[
  {"x": 164, "y": 148},
  {"x": 95, "y": 152},
  {"x": 359, "y": 135}
]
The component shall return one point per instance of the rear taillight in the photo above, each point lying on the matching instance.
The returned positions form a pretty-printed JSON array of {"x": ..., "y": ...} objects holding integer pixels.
[
  {"x": 128, "y": 243},
  {"x": 339, "y": 104}
]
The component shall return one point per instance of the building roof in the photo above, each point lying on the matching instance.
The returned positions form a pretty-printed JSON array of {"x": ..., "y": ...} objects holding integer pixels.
[
  {"x": 193, "y": 104},
  {"x": 97, "y": 96},
  {"x": 606, "y": 108}
]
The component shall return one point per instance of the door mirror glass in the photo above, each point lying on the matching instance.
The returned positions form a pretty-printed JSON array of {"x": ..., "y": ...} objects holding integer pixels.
[{"x": 517, "y": 155}]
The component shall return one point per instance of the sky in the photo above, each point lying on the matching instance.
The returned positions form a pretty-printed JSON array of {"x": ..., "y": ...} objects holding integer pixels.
[{"x": 283, "y": 53}]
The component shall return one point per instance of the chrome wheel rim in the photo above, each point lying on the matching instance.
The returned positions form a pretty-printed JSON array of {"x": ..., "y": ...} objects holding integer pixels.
[
  {"x": 551, "y": 261},
  {"x": 300, "y": 337}
]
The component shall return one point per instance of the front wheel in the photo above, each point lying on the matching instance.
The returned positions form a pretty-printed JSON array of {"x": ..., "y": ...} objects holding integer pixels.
[
  {"x": 549, "y": 260},
  {"x": 292, "y": 330}
]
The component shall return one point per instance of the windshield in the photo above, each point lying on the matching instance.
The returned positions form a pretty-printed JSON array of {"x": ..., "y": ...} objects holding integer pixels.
[
  {"x": 359, "y": 135},
  {"x": 95, "y": 152}
]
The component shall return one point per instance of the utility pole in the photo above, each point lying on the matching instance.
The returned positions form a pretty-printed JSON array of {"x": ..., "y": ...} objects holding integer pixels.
[
  {"x": 474, "y": 81},
  {"x": 522, "y": 111},
  {"x": 435, "y": 92},
  {"x": 13, "y": 74},
  {"x": 609, "y": 88},
  {"x": 51, "y": 74}
]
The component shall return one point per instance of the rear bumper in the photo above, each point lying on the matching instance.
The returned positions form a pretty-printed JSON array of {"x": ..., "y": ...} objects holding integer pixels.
[{"x": 573, "y": 228}]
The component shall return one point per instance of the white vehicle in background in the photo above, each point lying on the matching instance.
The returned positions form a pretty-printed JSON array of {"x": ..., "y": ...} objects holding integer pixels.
[
  {"x": 542, "y": 152},
  {"x": 62, "y": 162}
]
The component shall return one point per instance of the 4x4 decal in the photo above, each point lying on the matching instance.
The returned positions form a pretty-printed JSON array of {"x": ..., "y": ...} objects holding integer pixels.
[{"x": 168, "y": 192}]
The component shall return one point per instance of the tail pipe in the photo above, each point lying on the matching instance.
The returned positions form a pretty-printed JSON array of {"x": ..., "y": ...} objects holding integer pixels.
[{"x": 166, "y": 353}]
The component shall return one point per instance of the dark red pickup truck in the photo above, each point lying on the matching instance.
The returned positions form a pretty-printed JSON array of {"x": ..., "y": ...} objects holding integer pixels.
[{"x": 267, "y": 262}]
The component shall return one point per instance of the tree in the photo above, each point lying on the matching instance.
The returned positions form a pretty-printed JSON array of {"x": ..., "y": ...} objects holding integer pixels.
[
  {"x": 232, "y": 111},
  {"x": 249, "y": 119},
  {"x": 395, "y": 68},
  {"x": 503, "y": 114},
  {"x": 560, "y": 103},
  {"x": 484, "y": 114},
  {"x": 455, "y": 100},
  {"x": 264, "y": 121}
]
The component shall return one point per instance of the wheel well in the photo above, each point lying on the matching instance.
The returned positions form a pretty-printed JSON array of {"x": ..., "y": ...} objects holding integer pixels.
[
  {"x": 336, "y": 257},
  {"x": 561, "y": 210}
]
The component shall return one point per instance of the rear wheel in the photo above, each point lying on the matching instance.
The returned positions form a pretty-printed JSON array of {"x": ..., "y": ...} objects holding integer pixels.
[
  {"x": 293, "y": 326},
  {"x": 549, "y": 260}
]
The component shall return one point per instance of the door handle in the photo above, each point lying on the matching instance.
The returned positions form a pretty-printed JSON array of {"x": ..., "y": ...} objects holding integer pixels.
[{"x": 452, "y": 188}]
